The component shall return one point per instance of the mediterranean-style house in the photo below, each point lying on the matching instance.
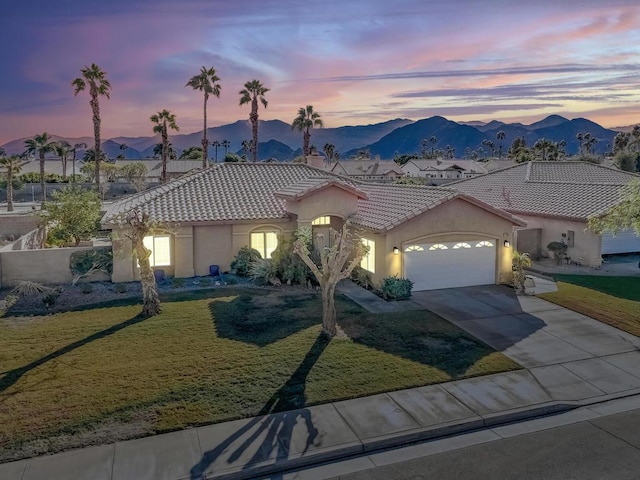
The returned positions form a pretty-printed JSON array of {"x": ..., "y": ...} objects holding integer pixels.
[
  {"x": 443, "y": 171},
  {"x": 367, "y": 169},
  {"x": 437, "y": 237},
  {"x": 556, "y": 199}
]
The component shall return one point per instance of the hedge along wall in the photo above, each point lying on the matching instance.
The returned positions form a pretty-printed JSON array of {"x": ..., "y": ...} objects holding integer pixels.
[{"x": 49, "y": 265}]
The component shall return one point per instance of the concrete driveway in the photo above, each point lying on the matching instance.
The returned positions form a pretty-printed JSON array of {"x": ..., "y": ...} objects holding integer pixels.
[{"x": 531, "y": 331}]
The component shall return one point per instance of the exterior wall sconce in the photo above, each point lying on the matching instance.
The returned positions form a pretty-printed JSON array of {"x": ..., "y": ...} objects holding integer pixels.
[
  {"x": 507, "y": 243},
  {"x": 396, "y": 251}
]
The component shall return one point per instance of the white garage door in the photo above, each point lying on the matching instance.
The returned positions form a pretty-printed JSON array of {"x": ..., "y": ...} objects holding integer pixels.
[
  {"x": 450, "y": 264},
  {"x": 623, "y": 242}
]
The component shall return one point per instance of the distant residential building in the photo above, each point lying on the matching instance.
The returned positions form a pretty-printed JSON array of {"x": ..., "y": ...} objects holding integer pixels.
[
  {"x": 443, "y": 171},
  {"x": 368, "y": 170}
]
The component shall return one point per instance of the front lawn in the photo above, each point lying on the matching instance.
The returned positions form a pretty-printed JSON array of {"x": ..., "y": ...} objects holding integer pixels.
[
  {"x": 611, "y": 300},
  {"x": 103, "y": 374}
]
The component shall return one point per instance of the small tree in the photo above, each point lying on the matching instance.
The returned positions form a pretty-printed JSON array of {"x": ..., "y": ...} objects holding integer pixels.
[
  {"x": 519, "y": 261},
  {"x": 88, "y": 262},
  {"x": 11, "y": 166},
  {"x": 74, "y": 214},
  {"x": 135, "y": 173},
  {"x": 336, "y": 263},
  {"x": 622, "y": 216}
]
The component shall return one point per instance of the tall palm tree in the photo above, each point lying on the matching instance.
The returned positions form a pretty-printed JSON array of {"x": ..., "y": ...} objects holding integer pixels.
[
  {"x": 304, "y": 122},
  {"x": 96, "y": 79},
  {"x": 63, "y": 149},
  {"x": 500, "y": 136},
  {"x": 330, "y": 153},
  {"x": 215, "y": 144},
  {"x": 225, "y": 144},
  {"x": 207, "y": 82},
  {"x": 40, "y": 144},
  {"x": 246, "y": 147},
  {"x": 2, "y": 152},
  {"x": 433, "y": 140},
  {"x": 123, "y": 150},
  {"x": 163, "y": 121},
  {"x": 252, "y": 92},
  {"x": 12, "y": 166}
]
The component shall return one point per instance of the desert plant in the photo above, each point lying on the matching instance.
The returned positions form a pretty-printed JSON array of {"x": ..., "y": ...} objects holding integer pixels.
[
  {"x": 395, "y": 288},
  {"x": 27, "y": 288},
  {"x": 87, "y": 262},
  {"x": 263, "y": 271},
  {"x": 559, "y": 250},
  {"x": 49, "y": 299},
  {"x": 362, "y": 277},
  {"x": 243, "y": 260},
  {"x": 519, "y": 261}
]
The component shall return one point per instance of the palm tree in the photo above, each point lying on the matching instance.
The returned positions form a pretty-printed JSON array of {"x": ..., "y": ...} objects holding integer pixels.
[
  {"x": 40, "y": 144},
  {"x": 433, "y": 140},
  {"x": 96, "y": 79},
  {"x": 164, "y": 120},
  {"x": 2, "y": 152},
  {"x": 75, "y": 149},
  {"x": 63, "y": 149},
  {"x": 500, "y": 136},
  {"x": 252, "y": 92},
  {"x": 580, "y": 138},
  {"x": 215, "y": 144},
  {"x": 330, "y": 152},
  {"x": 423, "y": 147},
  {"x": 12, "y": 166},
  {"x": 123, "y": 150},
  {"x": 304, "y": 122},
  {"x": 247, "y": 146},
  {"x": 225, "y": 144},
  {"x": 207, "y": 82}
]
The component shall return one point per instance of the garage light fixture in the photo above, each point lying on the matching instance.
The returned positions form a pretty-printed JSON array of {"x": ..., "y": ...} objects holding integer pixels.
[
  {"x": 396, "y": 251},
  {"x": 507, "y": 243}
]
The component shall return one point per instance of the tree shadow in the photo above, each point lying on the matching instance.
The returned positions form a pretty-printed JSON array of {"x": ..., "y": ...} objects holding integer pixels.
[
  {"x": 12, "y": 376},
  {"x": 264, "y": 318},
  {"x": 276, "y": 421}
]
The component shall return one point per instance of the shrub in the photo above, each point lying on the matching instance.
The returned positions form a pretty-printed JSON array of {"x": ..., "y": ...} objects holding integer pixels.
[
  {"x": 120, "y": 287},
  {"x": 205, "y": 281},
  {"x": 394, "y": 288},
  {"x": 49, "y": 299},
  {"x": 264, "y": 272},
  {"x": 231, "y": 280},
  {"x": 362, "y": 277},
  {"x": 87, "y": 262},
  {"x": 177, "y": 282},
  {"x": 86, "y": 288},
  {"x": 27, "y": 289},
  {"x": 559, "y": 250},
  {"x": 288, "y": 265},
  {"x": 243, "y": 260}
]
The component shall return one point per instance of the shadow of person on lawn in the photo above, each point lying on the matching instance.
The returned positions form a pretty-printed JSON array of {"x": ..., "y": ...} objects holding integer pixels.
[
  {"x": 10, "y": 377},
  {"x": 277, "y": 418}
]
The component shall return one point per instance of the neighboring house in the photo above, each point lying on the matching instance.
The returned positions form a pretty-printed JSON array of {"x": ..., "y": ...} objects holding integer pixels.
[
  {"x": 556, "y": 199},
  {"x": 437, "y": 237},
  {"x": 443, "y": 171},
  {"x": 368, "y": 170}
]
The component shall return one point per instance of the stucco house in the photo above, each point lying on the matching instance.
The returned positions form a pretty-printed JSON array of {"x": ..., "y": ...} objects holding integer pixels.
[
  {"x": 443, "y": 171},
  {"x": 437, "y": 237},
  {"x": 370, "y": 170},
  {"x": 556, "y": 199}
]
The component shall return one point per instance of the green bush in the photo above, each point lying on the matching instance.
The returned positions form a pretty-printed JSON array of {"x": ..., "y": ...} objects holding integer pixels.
[
  {"x": 177, "y": 282},
  {"x": 263, "y": 271},
  {"x": 86, "y": 288},
  {"x": 243, "y": 260},
  {"x": 120, "y": 288},
  {"x": 362, "y": 277},
  {"x": 205, "y": 281},
  {"x": 559, "y": 250},
  {"x": 231, "y": 280},
  {"x": 394, "y": 288},
  {"x": 289, "y": 267},
  {"x": 49, "y": 299}
]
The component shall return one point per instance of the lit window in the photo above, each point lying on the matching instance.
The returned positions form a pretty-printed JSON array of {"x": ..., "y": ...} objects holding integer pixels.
[
  {"x": 264, "y": 242},
  {"x": 438, "y": 246},
  {"x": 160, "y": 246},
  {"x": 324, "y": 220},
  {"x": 414, "y": 248},
  {"x": 368, "y": 262},
  {"x": 484, "y": 243},
  {"x": 461, "y": 245}
]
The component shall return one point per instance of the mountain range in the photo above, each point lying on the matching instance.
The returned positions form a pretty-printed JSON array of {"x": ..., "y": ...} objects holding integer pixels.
[{"x": 386, "y": 139}]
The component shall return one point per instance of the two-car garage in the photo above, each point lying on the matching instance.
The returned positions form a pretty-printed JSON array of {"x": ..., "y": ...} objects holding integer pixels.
[{"x": 462, "y": 263}]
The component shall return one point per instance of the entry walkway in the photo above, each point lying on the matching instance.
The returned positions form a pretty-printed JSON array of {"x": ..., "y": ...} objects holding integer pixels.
[{"x": 570, "y": 361}]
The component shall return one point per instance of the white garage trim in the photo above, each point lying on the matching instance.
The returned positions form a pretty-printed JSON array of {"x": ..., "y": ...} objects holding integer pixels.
[
  {"x": 623, "y": 242},
  {"x": 461, "y": 263}
]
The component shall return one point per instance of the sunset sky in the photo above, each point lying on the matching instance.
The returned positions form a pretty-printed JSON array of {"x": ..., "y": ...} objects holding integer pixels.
[{"x": 356, "y": 61}]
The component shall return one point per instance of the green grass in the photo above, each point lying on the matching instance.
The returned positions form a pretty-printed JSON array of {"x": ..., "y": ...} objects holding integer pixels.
[
  {"x": 104, "y": 373},
  {"x": 611, "y": 300}
]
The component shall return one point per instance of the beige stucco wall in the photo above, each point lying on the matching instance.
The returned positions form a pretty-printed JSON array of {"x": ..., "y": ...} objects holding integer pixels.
[
  {"x": 453, "y": 221},
  {"x": 332, "y": 201},
  {"x": 49, "y": 265},
  {"x": 17, "y": 224},
  {"x": 212, "y": 245},
  {"x": 587, "y": 245}
]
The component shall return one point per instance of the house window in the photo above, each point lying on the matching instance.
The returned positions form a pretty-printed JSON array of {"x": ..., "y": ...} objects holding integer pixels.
[
  {"x": 368, "y": 262},
  {"x": 438, "y": 246},
  {"x": 160, "y": 246},
  {"x": 461, "y": 245},
  {"x": 324, "y": 220},
  {"x": 484, "y": 243},
  {"x": 264, "y": 242}
]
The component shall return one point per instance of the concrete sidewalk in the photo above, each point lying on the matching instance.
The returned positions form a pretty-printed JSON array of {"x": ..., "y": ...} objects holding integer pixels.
[{"x": 265, "y": 445}]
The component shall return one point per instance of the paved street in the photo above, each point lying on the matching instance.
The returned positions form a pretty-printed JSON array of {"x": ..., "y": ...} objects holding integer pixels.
[{"x": 598, "y": 449}]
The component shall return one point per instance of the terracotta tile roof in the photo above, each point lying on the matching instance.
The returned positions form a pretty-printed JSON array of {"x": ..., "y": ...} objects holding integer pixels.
[
  {"x": 232, "y": 192},
  {"x": 576, "y": 190}
]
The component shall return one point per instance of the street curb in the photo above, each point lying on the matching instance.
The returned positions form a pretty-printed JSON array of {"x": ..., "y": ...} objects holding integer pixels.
[{"x": 400, "y": 439}]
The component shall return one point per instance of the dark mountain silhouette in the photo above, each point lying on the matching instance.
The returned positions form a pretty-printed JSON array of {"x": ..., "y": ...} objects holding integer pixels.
[{"x": 386, "y": 139}]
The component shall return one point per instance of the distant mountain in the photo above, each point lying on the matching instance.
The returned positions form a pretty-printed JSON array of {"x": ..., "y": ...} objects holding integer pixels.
[
  {"x": 628, "y": 128},
  {"x": 385, "y": 139}
]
